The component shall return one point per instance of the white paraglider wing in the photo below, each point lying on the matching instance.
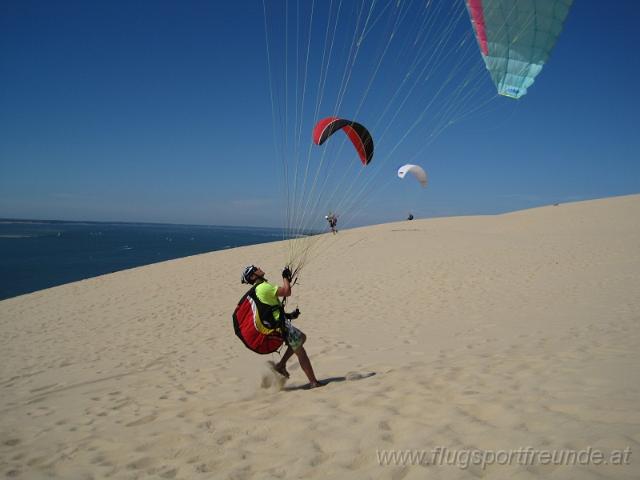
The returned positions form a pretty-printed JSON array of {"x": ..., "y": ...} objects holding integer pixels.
[{"x": 416, "y": 170}]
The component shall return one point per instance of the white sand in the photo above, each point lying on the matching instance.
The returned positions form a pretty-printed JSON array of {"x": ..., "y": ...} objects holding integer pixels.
[{"x": 492, "y": 333}]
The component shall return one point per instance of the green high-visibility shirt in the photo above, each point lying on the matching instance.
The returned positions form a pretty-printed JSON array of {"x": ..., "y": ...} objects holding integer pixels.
[{"x": 266, "y": 293}]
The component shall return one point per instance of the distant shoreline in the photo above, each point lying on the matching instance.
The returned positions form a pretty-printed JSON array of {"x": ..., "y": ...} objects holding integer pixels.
[
  {"x": 27, "y": 221},
  {"x": 39, "y": 254}
]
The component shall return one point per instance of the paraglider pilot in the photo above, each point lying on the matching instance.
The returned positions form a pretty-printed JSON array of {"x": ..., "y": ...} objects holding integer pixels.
[
  {"x": 293, "y": 337},
  {"x": 333, "y": 222}
]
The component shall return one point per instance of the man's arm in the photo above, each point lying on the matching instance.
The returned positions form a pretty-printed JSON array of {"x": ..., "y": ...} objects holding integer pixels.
[{"x": 285, "y": 289}]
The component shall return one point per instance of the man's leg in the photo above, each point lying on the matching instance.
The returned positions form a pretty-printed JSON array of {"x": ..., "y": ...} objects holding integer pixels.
[
  {"x": 297, "y": 339},
  {"x": 281, "y": 366},
  {"x": 305, "y": 364}
]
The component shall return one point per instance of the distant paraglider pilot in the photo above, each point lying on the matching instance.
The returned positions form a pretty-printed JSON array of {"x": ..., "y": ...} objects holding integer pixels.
[
  {"x": 333, "y": 222},
  {"x": 263, "y": 325}
]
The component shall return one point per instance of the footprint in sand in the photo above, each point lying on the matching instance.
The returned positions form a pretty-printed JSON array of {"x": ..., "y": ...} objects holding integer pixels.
[
  {"x": 36, "y": 461},
  {"x": 203, "y": 468},
  {"x": 169, "y": 473},
  {"x": 101, "y": 460},
  {"x": 143, "y": 462},
  {"x": 384, "y": 427},
  {"x": 121, "y": 404},
  {"x": 142, "y": 421},
  {"x": 221, "y": 440},
  {"x": 45, "y": 387},
  {"x": 350, "y": 376},
  {"x": 318, "y": 459}
]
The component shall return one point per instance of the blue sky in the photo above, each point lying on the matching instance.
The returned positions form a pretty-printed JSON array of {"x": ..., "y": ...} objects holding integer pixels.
[{"x": 161, "y": 112}]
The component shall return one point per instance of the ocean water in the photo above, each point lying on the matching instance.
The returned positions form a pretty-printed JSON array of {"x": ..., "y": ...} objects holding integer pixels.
[{"x": 37, "y": 255}]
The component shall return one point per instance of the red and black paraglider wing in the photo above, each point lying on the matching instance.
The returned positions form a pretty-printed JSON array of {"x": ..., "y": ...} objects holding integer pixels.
[{"x": 357, "y": 133}]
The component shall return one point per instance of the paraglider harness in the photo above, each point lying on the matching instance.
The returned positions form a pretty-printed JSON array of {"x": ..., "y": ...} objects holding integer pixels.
[{"x": 255, "y": 324}]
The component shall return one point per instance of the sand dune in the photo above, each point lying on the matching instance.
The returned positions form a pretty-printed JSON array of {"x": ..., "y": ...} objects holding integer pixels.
[{"x": 489, "y": 333}]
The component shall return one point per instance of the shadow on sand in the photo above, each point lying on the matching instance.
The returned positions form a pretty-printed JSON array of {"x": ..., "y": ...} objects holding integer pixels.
[{"x": 351, "y": 376}]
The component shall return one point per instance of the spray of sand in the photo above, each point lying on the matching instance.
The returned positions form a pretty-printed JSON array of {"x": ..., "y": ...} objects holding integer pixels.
[{"x": 270, "y": 379}]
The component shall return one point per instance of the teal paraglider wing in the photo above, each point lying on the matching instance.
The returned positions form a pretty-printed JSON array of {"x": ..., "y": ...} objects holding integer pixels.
[{"x": 516, "y": 38}]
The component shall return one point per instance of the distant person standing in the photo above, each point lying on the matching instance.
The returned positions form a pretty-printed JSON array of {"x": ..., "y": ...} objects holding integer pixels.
[
  {"x": 410, "y": 217},
  {"x": 333, "y": 222}
]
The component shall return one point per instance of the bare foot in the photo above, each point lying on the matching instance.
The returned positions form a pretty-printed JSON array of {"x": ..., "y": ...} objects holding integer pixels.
[
  {"x": 282, "y": 370},
  {"x": 316, "y": 385}
]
